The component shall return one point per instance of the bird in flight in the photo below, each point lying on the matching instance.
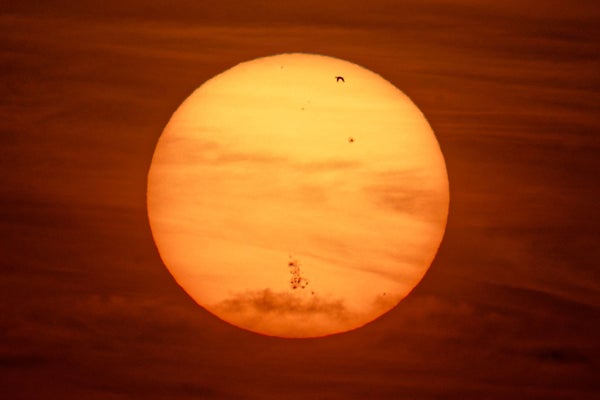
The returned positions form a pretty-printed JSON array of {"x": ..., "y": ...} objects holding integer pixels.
[
  {"x": 339, "y": 78},
  {"x": 350, "y": 140}
]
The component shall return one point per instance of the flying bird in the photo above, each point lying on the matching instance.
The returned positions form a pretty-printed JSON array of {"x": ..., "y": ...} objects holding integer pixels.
[
  {"x": 350, "y": 140},
  {"x": 339, "y": 78}
]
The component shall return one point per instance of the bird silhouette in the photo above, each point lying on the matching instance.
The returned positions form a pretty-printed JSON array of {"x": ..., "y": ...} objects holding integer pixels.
[
  {"x": 339, "y": 78},
  {"x": 350, "y": 140}
]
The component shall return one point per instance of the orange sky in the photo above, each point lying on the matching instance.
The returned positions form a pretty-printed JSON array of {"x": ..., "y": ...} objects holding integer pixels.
[{"x": 510, "y": 307}]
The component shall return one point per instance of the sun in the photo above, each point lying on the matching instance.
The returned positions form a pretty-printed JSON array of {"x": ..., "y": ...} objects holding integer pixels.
[{"x": 297, "y": 195}]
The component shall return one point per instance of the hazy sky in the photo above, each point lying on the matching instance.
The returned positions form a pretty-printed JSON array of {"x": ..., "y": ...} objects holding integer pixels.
[{"x": 510, "y": 306}]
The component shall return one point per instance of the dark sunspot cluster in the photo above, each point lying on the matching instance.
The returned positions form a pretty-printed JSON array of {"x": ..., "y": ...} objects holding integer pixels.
[{"x": 297, "y": 280}]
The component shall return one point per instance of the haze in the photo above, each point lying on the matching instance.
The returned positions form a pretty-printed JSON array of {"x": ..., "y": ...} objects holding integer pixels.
[{"x": 510, "y": 306}]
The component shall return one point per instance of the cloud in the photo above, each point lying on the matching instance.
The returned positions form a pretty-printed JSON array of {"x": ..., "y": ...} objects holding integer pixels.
[
  {"x": 560, "y": 355},
  {"x": 22, "y": 361},
  {"x": 408, "y": 192},
  {"x": 299, "y": 314},
  {"x": 328, "y": 165},
  {"x": 283, "y": 303},
  {"x": 185, "y": 151}
]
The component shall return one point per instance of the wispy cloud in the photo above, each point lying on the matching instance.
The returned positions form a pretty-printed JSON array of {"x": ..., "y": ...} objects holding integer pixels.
[
  {"x": 408, "y": 192},
  {"x": 283, "y": 303}
]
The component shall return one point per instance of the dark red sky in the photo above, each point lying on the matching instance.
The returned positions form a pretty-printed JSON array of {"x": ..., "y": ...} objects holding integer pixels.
[{"x": 510, "y": 307}]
